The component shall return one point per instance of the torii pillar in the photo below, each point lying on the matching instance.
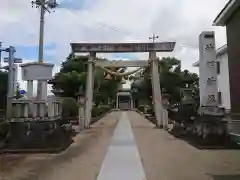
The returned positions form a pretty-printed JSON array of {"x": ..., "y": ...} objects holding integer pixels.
[
  {"x": 157, "y": 97},
  {"x": 89, "y": 91}
]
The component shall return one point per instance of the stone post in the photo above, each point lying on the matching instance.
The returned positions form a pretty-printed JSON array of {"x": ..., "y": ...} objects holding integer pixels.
[
  {"x": 81, "y": 102},
  {"x": 25, "y": 109},
  {"x": 50, "y": 108},
  {"x": 131, "y": 103},
  {"x": 89, "y": 90},
  {"x": 42, "y": 109},
  {"x": 44, "y": 90},
  {"x": 15, "y": 76},
  {"x": 18, "y": 109},
  {"x": 81, "y": 117},
  {"x": 117, "y": 102},
  {"x": 34, "y": 110},
  {"x": 56, "y": 108},
  {"x": 60, "y": 109},
  {"x": 157, "y": 97},
  {"x": 208, "y": 70},
  {"x": 165, "y": 118},
  {"x": 30, "y": 89}
]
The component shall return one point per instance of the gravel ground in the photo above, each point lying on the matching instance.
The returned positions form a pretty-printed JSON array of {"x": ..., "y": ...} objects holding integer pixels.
[
  {"x": 165, "y": 157},
  {"x": 82, "y": 160}
]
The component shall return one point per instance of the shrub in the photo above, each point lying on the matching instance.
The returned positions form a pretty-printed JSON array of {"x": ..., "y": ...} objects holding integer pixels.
[
  {"x": 99, "y": 111},
  {"x": 69, "y": 108},
  {"x": 4, "y": 128},
  {"x": 141, "y": 108}
]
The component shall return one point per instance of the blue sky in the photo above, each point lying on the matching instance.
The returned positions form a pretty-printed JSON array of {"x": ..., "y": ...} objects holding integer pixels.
[
  {"x": 125, "y": 56},
  {"x": 31, "y": 52},
  {"x": 77, "y": 4}
]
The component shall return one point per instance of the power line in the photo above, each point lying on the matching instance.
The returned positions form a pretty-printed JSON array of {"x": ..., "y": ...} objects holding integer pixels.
[
  {"x": 127, "y": 32},
  {"x": 108, "y": 26}
]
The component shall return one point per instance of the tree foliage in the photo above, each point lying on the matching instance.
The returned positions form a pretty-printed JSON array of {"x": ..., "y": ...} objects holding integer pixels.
[
  {"x": 172, "y": 79},
  {"x": 3, "y": 88},
  {"x": 73, "y": 74}
]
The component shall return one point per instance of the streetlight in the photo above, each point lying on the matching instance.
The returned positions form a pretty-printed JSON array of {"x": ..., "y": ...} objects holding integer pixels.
[{"x": 44, "y": 6}]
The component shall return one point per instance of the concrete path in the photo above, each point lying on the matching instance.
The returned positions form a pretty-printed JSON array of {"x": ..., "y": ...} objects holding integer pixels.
[{"x": 122, "y": 160}]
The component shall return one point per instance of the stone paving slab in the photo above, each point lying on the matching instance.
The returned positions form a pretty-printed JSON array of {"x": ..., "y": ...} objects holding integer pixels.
[{"x": 122, "y": 160}]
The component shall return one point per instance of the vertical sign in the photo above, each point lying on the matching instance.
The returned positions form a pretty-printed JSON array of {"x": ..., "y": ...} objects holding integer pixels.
[{"x": 208, "y": 70}]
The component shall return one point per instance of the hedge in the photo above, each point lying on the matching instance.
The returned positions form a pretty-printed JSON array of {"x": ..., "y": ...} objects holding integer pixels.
[{"x": 98, "y": 111}]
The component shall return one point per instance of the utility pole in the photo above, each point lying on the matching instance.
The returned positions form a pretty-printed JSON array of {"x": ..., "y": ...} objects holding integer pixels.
[
  {"x": 0, "y": 55},
  {"x": 153, "y": 38},
  {"x": 157, "y": 95},
  {"x": 44, "y": 6},
  {"x": 11, "y": 50},
  {"x": 11, "y": 81},
  {"x": 41, "y": 32}
]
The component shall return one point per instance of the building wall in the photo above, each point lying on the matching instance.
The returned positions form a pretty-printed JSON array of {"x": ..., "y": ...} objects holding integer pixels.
[
  {"x": 233, "y": 41},
  {"x": 223, "y": 81}
]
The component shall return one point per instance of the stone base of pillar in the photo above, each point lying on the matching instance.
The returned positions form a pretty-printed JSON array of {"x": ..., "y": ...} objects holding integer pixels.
[
  {"x": 29, "y": 89},
  {"x": 165, "y": 119},
  {"x": 81, "y": 118},
  {"x": 161, "y": 126}
]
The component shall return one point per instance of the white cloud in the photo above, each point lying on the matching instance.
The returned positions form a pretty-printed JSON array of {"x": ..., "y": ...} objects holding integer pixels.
[{"x": 136, "y": 20}]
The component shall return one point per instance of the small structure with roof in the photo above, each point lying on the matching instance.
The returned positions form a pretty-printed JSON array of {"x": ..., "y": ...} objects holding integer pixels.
[{"x": 124, "y": 99}]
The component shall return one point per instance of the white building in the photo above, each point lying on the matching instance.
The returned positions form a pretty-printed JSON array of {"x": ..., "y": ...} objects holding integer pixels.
[{"x": 223, "y": 77}]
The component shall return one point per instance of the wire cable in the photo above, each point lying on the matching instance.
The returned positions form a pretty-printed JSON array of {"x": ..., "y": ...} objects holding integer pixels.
[{"x": 125, "y": 32}]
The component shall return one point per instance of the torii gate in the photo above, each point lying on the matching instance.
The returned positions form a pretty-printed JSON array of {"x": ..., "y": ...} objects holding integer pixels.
[{"x": 151, "y": 48}]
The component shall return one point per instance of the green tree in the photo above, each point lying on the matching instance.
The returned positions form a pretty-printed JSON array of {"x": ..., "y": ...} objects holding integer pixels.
[
  {"x": 105, "y": 89},
  {"x": 172, "y": 79},
  {"x": 73, "y": 74},
  {"x": 3, "y": 96},
  {"x": 3, "y": 88}
]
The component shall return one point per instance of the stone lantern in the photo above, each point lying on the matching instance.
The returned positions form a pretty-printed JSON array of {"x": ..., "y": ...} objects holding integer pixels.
[
  {"x": 81, "y": 102},
  {"x": 165, "y": 104}
]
